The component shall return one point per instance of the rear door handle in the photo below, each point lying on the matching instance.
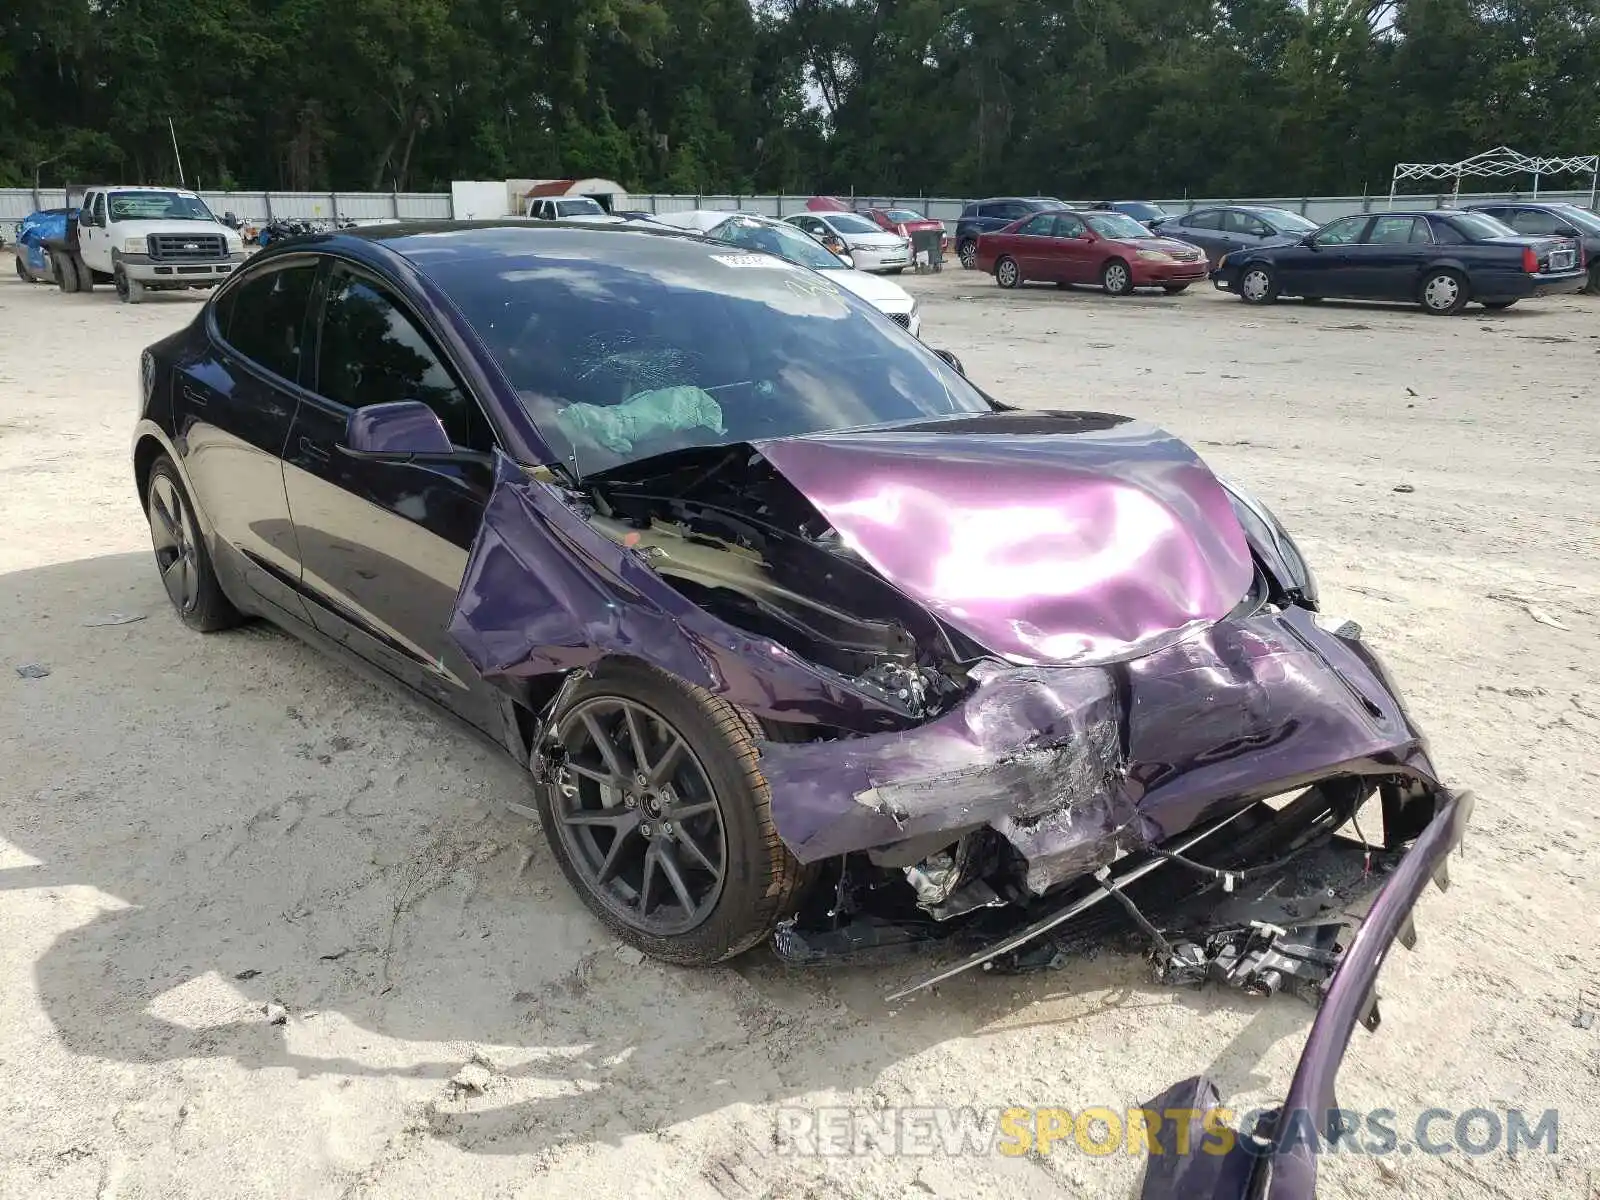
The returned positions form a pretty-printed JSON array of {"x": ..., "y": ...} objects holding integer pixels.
[
  {"x": 196, "y": 398},
  {"x": 312, "y": 450}
]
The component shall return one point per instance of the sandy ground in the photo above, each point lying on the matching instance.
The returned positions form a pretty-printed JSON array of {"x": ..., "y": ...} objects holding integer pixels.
[{"x": 193, "y": 828}]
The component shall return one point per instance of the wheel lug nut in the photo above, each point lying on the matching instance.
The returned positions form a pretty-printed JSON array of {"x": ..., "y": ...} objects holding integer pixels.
[
  {"x": 666, "y": 828},
  {"x": 641, "y": 779},
  {"x": 629, "y": 800},
  {"x": 645, "y": 829}
]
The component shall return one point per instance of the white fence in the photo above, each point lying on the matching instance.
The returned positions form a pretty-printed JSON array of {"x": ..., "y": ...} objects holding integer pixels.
[{"x": 16, "y": 203}]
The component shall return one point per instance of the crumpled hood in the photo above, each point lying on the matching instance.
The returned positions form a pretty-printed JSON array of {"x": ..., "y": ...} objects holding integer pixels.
[{"x": 1047, "y": 538}]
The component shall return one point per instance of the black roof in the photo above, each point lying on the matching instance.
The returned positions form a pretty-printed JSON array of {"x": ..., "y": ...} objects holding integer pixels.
[{"x": 428, "y": 242}]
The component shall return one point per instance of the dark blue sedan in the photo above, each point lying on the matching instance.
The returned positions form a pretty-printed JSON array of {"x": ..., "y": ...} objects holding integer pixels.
[{"x": 1441, "y": 260}]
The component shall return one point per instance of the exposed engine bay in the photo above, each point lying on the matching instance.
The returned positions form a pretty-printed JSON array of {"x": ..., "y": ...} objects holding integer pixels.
[{"x": 735, "y": 537}]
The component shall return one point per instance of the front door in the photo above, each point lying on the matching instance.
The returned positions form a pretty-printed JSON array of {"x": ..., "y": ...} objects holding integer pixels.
[
  {"x": 1325, "y": 267},
  {"x": 383, "y": 546},
  {"x": 1073, "y": 250},
  {"x": 232, "y": 409}
]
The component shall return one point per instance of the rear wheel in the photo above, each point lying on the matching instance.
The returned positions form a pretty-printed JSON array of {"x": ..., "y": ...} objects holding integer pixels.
[
  {"x": 1258, "y": 285},
  {"x": 660, "y": 817},
  {"x": 181, "y": 555},
  {"x": 85, "y": 275},
  {"x": 66, "y": 274},
  {"x": 967, "y": 251},
  {"x": 1444, "y": 293},
  {"x": 1006, "y": 272},
  {"x": 1115, "y": 278}
]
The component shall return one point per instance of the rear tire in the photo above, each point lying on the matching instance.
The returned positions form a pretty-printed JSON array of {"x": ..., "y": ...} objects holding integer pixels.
[
  {"x": 22, "y": 271},
  {"x": 1006, "y": 272},
  {"x": 1443, "y": 293},
  {"x": 760, "y": 881},
  {"x": 182, "y": 559},
  {"x": 85, "y": 275},
  {"x": 967, "y": 251},
  {"x": 1116, "y": 278},
  {"x": 66, "y": 274}
]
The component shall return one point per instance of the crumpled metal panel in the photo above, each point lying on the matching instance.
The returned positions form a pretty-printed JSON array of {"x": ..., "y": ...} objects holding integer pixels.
[
  {"x": 544, "y": 591},
  {"x": 1048, "y": 538},
  {"x": 1035, "y": 753},
  {"x": 1244, "y": 710}
]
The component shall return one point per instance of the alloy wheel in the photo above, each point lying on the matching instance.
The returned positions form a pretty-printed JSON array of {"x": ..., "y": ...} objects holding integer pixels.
[
  {"x": 1116, "y": 279},
  {"x": 172, "y": 534},
  {"x": 638, "y": 816},
  {"x": 968, "y": 251},
  {"x": 1006, "y": 273}
]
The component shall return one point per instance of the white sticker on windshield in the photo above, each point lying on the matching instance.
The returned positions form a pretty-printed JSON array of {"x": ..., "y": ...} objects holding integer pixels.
[{"x": 753, "y": 260}]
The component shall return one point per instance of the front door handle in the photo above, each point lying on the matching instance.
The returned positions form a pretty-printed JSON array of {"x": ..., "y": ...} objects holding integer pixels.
[
  {"x": 196, "y": 398},
  {"x": 312, "y": 450}
]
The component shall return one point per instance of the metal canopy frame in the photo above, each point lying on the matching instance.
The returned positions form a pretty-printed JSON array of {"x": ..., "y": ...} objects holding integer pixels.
[{"x": 1498, "y": 163}]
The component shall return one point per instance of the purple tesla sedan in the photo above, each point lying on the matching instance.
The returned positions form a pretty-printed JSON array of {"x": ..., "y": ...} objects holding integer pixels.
[{"x": 804, "y": 638}]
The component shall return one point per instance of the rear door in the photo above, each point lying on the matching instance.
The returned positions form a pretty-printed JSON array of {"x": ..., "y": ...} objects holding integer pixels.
[
  {"x": 1202, "y": 228},
  {"x": 232, "y": 410},
  {"x": 1243, "y": 230},
  {"x": 383, "y": 546},
  {"x": 1388, "y": 264},
  {"x": 1033, "y": 248}
]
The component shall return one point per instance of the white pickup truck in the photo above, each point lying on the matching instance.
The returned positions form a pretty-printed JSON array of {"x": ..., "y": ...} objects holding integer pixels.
[{"x": 143, "y": 237}]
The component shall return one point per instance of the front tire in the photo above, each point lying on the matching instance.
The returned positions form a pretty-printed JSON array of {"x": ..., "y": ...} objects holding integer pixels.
[
  {"x": 129, "y": 291},
  {"x": 181, "y": 555},
  {"x": 85, "y": 275},
  {"x": 1006, "y": 272},
  {"x": 967, "y": 252},
  {"x": 660, "y": 818},
  {"x": 1444, "y": 293},
  {"x": 1258, "y": 285},
  {"x": 66, "y": 274},
  {"x": 1116, "y": 278}
]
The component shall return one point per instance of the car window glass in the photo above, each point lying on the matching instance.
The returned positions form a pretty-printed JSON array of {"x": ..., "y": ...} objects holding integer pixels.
[
  {"x": 1208, "y": 219},
  {"x": 1446, "y": 234},
  {"x": 1069, "y": 226},
  {"x": 372, "y": 353},
  {"x": 1390, "y": 231},
  {"x": 1535, "y": 220},
  {"x": 1421, "y": 231},
  {"x": 1342, "y": 232},
  {"x": 1039, "y": 226},
  {"x": 100, "y": 208},
  {"x": 264, "y": 318},
  {"x": 1234, "y": 221}
]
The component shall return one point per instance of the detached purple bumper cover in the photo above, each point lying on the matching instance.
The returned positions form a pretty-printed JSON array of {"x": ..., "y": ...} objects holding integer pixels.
[{"x": 1281, "y": 1163}]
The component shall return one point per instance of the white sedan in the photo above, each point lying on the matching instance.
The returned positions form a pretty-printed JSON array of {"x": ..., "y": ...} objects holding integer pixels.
[
  {"x": 874, "y": 249},
  {"x": 755, "y": 232}
]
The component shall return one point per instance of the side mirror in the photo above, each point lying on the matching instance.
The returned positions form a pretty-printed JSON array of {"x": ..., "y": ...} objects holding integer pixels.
[
  {"x": 396, "y": 432},
  {"x": 955, "y": 363},
  {"x": 1310, "y": 241},
  {"x": 85, "y": 220},
  {"x": 847, "y": 259}
]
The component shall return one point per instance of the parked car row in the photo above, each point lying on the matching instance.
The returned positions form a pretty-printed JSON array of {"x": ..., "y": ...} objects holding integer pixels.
[{"x": 1441, "y": 260}]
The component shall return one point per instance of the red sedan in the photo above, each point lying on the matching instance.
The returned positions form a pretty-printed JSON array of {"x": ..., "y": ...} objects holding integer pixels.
[{"x": 1105, "y": 248}]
